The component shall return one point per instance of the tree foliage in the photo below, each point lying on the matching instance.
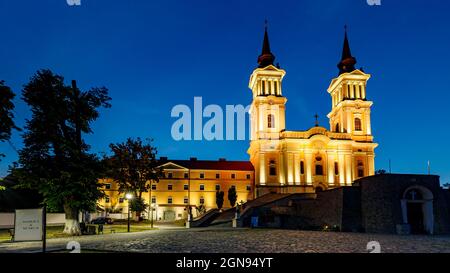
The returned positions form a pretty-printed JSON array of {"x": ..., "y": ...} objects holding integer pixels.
[
  {"x": 133, "y": 165},
  {"x": 55, "y": 160},
  {"x": 219, "y": 199},
  {"x": 6, "y": 113},
  {"x": 232, "y": 196}
]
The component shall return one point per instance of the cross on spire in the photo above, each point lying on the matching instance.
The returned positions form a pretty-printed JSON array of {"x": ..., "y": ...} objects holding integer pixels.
[{"x": 316, "y": 116}]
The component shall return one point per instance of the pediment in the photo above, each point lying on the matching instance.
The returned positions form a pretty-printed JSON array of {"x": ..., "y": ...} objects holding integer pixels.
[{"x": 172, "y": 166}]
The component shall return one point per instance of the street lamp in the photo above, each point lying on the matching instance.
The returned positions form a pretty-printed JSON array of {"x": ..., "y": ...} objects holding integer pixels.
[{"x": 129, "y": 196}]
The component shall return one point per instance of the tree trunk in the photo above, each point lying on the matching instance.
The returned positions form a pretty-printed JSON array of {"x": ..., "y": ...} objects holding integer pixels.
[{"x": 72, "y": 226}]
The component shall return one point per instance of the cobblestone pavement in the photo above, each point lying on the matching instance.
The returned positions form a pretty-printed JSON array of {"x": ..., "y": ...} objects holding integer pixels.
[{"x": 241, "y": 241}]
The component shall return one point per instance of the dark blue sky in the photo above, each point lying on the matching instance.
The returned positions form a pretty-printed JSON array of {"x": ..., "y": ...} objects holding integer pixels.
[{"x": 153, "y": 55}]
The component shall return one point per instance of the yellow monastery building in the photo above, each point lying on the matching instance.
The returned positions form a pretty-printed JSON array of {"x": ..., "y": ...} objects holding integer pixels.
[
  {"x": 281, "y": 161},
  {"x": 188, "y": 183}
]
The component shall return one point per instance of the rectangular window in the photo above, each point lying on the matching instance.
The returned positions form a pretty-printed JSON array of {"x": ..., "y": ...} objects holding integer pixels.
[
  {"x": 106, "y": 199},
  {"x": 186, "y": 175},
  {"x": 186, "y": 187},
  {"x": 153, "y": 199},
  {"x": 248, "y": 176},
  {"x": 169, "y": 200},
  {"x": 121, "y": 200},
  {"x": 302, "y": 167},
  {"x": 108, "y": 186},
  {"x": 202, "y": 175},
  {"x": 169, "y": 187},
  {"x": 272, "y": 171},
  {"x": 202, "y": 200},
  {"x": 233, "y": 176},
  {"x": 202, "y": 187},
  {"x": 270, "y": 121},
  {"x": 169, "y": 175},
  {"x": 319, "y": 169},
  {"x": 217, "y": 175},
  {"x": 249, "y": 188},
  {"x": 186, "y": 200},
  {"x": 153, "y": 187},
  {"x": 217, "y": 187},
  {"x": 336, "y": 168}
]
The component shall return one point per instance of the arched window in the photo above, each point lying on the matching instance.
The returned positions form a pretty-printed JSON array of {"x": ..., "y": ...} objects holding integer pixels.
[
  {"x": 337, "y": 127},
  {"x": 270, "y": 121},
  {"x": 413, "y": 195},
  {"x": 357, "y": 124}
]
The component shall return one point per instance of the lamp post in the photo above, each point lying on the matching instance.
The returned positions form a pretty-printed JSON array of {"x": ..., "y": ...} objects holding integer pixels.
[{"x": 129, "y": 196}]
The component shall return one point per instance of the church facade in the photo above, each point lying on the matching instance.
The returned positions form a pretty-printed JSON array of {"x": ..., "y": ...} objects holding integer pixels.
[{"x": 316, "y": 159}]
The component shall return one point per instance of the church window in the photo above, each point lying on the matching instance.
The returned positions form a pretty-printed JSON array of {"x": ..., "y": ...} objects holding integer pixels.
[
  {"x": 272, "y": 168},
  {"x": 336, "y": 168},
  {"x": 360, "y": 172},
  {"x": 357, "y": 124},
  {"x": 319, "y": 169},
  {"x": 263, "y": 87},
  {"x": 275, "y": 86},
  {"x": 302, "y": 167},
  {"x": 360, "y": 169},
  {"x": 270, "y": 121}
]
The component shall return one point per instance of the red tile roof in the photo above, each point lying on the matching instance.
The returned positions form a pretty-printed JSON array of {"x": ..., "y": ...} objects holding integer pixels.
[{"x": 212, "y": 164}]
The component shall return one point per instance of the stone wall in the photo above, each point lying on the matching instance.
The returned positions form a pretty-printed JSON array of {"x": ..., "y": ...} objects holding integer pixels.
[{"x": 381, "y": 209}]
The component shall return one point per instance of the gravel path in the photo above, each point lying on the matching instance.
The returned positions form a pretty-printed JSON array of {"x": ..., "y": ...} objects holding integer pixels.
[{"x": 207, "y": 240}]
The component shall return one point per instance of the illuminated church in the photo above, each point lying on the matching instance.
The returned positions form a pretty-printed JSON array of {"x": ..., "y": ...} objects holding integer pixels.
[{"x": 319, "y": 158}]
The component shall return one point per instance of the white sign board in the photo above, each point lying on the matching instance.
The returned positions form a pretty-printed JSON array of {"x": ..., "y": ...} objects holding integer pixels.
[{"x": 28, "y": 225}]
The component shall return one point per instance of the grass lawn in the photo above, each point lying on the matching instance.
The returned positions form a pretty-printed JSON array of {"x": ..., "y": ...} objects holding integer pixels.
[{"x": 57, "y": 231}]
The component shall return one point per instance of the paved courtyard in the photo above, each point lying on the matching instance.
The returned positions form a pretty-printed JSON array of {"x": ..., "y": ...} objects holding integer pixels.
[{"x": 241, "y": 241}]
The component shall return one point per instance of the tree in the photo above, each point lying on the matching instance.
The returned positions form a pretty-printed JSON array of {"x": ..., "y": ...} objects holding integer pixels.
[
  {"x": 55, "y": 160},
  {"x": 219, "y": 199},
  {"x": 133, "y": 165},
  {"x": 6, "y": 113},
  {"x": 232, "y": 196}
]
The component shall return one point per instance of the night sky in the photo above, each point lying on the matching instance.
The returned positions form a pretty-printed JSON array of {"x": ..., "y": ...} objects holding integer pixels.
[{"x": 153, "y": 55}]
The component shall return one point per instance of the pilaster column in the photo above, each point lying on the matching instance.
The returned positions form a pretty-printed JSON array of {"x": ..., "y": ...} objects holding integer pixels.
[
  {"x": 330, "y": 169},
  {"x": 308, "y": 168}
]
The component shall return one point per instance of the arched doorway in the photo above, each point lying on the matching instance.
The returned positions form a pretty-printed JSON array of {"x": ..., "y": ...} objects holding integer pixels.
[{"x": 417, "y": 209}]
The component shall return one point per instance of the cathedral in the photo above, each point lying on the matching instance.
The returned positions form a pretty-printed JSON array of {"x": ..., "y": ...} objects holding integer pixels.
[{"x": 316, "y": 159}]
